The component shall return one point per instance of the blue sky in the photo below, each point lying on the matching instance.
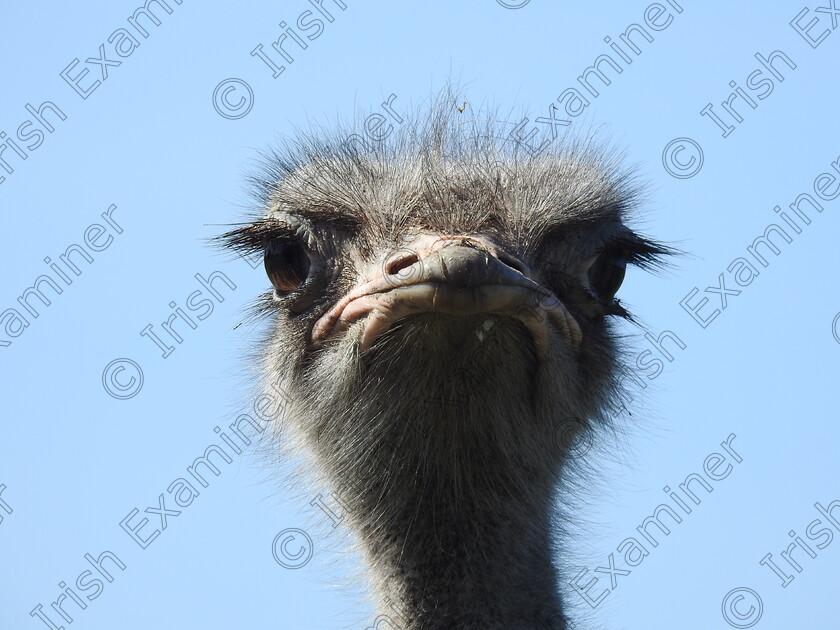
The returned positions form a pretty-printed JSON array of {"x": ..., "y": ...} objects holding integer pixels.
[{"x": 161, "y": 147}]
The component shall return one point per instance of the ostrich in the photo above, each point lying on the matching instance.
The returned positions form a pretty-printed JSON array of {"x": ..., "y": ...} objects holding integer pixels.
[{"x": 440, "y": 309}]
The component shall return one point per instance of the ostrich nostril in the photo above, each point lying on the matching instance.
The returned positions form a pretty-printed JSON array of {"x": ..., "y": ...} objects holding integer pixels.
[
  {"x": 513, "y": 263},
  {"x": 401, "y": 262}
]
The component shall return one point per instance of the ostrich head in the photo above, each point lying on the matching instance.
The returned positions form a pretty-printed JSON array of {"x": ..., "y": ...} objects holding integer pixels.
[{"x": 441, "y": 310}]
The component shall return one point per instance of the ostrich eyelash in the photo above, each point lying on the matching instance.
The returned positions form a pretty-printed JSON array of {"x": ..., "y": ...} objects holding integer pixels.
[
  {"x": 255, "y": 237},
  {"x": 639, "y": 251}
]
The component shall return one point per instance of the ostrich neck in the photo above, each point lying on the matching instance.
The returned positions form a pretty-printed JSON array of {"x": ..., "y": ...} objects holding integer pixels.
[
  {"x": 471, "y": 569},
  {"x": 458, "y": 535}
]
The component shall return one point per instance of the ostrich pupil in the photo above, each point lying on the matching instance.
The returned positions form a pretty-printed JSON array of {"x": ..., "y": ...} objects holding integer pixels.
[
  {"x": 287, "y": 266},
  {"x": 607, "y": 274}
]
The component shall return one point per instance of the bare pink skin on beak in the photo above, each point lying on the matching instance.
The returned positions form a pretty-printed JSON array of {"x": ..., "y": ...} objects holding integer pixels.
[{"x": 455, "y": 275}]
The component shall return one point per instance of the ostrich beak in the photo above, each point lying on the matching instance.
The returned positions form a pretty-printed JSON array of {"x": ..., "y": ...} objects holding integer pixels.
[{"x": 455, "y": 276}]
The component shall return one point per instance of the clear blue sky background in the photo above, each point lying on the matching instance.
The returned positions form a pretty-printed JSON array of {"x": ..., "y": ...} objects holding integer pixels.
[{"x": 76, "y": 461}]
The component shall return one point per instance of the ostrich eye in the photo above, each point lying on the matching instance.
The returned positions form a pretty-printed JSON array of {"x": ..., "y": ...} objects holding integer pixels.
[
  {"x": 287, "y": 265},
  {"x": 607, "y": 273}
]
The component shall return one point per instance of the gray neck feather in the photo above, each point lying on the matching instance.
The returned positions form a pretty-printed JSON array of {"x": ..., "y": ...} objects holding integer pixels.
[{"x": 450, "y": 476}]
